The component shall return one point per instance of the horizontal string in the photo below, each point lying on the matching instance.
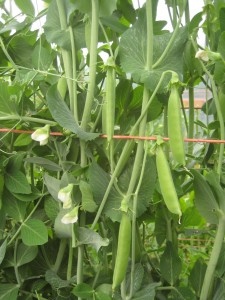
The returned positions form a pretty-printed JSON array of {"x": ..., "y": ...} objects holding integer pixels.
[{"x": 123, "y": 137}]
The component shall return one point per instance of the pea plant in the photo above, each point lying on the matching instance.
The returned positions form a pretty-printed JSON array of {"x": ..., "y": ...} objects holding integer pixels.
[{"x": 109, "y": 187}]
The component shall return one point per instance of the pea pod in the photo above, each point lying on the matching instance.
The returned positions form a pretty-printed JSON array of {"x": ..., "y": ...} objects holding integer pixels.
[
  {"x": 123, "y": 251},
  {"x": 175, "y": 126},
  {"x": 166, "y": 183},
  {"x": 62, "y": 87}
]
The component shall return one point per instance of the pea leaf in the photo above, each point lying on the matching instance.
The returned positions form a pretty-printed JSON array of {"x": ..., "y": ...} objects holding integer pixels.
[
  {"x": 34, "y": 232},
  {"x": 16, "y": 182},
  {"x": 88, "y": 202},
  {"x": 147, "y": 292},
  {"x": 83, "y": 290},
  {"x": 3, "y": 250},
  {"x": 26, "y": 6},
  {"x": 204, "y": 198},
  {"x": 197, "y": 275},
  {"x": 133, "y": 47},
  {"x": 9, "y": 99},
  {"x": 14, "y": 208},
  {"x": 61, "y": 114},
  {"x": 8, "y": 291},
  {"x": 90, "y": 237},
  {"x": 25, "y": 254},
  {"x": 170, "y": 264},
  {"x": 45, "y": 163},
  {"x": 106, "y": 7}
]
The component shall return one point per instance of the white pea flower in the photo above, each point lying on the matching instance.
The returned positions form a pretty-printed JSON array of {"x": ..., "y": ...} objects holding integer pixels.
[
  {"x": 71, "y": 217},
  {"x": 202, "y": 54},
  {"x": 65, "y": 195},
  {"x": 41, "y": 135}
]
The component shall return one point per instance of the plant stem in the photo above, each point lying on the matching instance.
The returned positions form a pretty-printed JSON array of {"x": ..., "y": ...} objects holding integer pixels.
[
  {"x": 28, "y": 119},
  {"x": 213, "y": 257},
  {"x": 191, "y": 118},
  {"x": 70, "y": 262},
  {"x": 80, "y": 258},
  {"x": 73, "y": 47},
  {"x": 60, "y": 254},
  {"x": 67, "y": 61},
  {"x": 92, "y": 67}
]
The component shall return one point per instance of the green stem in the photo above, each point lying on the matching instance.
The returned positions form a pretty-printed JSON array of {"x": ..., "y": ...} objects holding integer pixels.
[
  {"x": 70, "y": 262},
  {"x": 28, "y": 119},
  {"x": 213, "y": 257},
  {"x": 67, "y": 61},
  {"x": 60, "y": 254},
  {"x": 7, "y": 54},
  {"x": 92, "y": 67},
  {"x": 80, "y": 258},
  {"x": 191, "y": 118},
  {"x": 134, "y": 216},
  {"x": 73, "y": 47},
  {"x": 218, "y": 110}
]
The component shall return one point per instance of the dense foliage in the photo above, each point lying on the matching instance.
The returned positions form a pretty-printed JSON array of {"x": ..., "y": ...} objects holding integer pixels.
[{"x": 84, "y": 215}]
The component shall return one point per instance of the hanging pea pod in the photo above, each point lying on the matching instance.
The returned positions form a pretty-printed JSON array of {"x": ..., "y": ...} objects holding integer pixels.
[
  {"x": 166, "y": 183},
  {"x": 175, "y": 126},
  {"x": 123, "y": 251}
]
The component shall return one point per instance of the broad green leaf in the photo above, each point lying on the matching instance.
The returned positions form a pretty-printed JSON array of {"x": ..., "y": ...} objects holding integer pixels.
[
  {"x": 220, "y": 267},
  {"x": 204, "y": 198},
  {"x": 219, "y": 67},
  {"x": 23, "y": 140},
  {"x": 55, "y": 281},
  {"x": 28, "y": 197},
  {"x": 138, "y": 277},
  {"x": 197, "y": 275},
  {"x": 9, "y": 99},
  {"x": 13, "y": 207},
  {"x": 9, "y": 291},
  {"x": 102, "y": 296},
  {"x": 41, "y": 58},
  {"x": 99, "y": 180},
  {"x": 219, "y": 293},
  {"x": 170, "y": 264},
  {"x": 16, "y": 182},
  {"x": 25, "y": 254},
  {"x": 45, "y": 163},
  {"x": 133, "y": 47},
  {"x": 51, "y": 208},
  {"x": 26, "y": 6},
  {"x": 3, "y": 250},
  {"x": 214, "y": 181},
  {"x": 61, "y": 114},
  {"x": 62, "y": 230},
  {"x": 83, "y": 290},
  {"x": 184, "y": 292},
  {"x": 1, "y": 188},
  {"x": 160, "y": 226},
  {"x": 113, "y": 23},
  {"x": 88, "y": 202},
  {"x": 34, "y": 232},
  {"x": 147, "y": 292},
  {"x": 106, "y": 7},
  {"x": 90, "y": 237},
  {"x": 53, "y": 31},
  {"x": 53, "y": 185}
]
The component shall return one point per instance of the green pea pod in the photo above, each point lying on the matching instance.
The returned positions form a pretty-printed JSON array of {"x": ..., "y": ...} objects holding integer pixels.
[
  {"x": 166, "y": 183},
  {"x": 62, "y": 87},
  {"x": 175, "y": 126},
  {"x": 123, "y": 251}
]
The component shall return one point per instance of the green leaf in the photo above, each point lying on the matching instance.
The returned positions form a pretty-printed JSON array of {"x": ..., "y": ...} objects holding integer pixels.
[
  {"x": 87, "y": 236},
  {"x": 147, "y": 292},
  {"x": 170, "y": 264},
  {"x": 138, "y": 277},
  {"x": 160, "y": 226},
  {"x": 197, "y": 275},
  {"x": 53, "y": 31},
  {"x": 3, "y": 250},
  {"x": 83, "y": 290},
  {"x": 9, "y": 291},
  {"x": 34, "y": 232},
  {"x": 53, "y": 185},
  {"x": 22, "y": 140},
  {"x": 133, "y": 47},
  {"x": 13, "y": 207},
  {"x": 214, "y": 181},
  {"x": 88, "y": 202},
  {"x": 204, "y": 198},
  {"x": 102, "y": 296},
  {"x": 9, "y": 99},
  {"x": 184, "y": 293},
  {"x": 41, "y": 58},
  {"x": 16, "y": 182},
  {"x": 55, "y": 281},
  {"x": 51, "y": 208},
  {"x": 26, "y": 6},
  {"x": 25, "y": 254},
  {"x": 113, "y": 23},
  {"x": 106, "y": 7},
  {"x": 61, "y": 114},
  {"x": 2, "y": 183},
  {"x": 45, "y": 163}
]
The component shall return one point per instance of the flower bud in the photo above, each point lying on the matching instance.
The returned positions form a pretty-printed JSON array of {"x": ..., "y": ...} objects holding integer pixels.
[
  {"x": 41, "y": 135},
  {"x": 65, "y": 195},
  {"x": 71, "y": 217}
]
